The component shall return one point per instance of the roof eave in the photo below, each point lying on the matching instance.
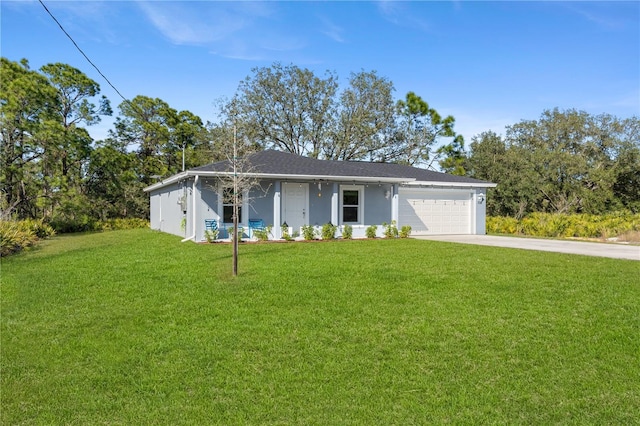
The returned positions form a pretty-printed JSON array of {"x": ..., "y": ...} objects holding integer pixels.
[
  {"x": 405, "y": 181},
  {"x": 169, "y": 181},
  {"x": 452, "y": 184}
]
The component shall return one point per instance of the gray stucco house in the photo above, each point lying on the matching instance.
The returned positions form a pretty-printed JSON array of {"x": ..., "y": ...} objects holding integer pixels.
[{"x": 301, "y": 191}]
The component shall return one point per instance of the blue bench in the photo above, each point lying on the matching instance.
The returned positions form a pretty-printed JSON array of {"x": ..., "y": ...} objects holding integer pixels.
[{"x": 255, "y": 224}]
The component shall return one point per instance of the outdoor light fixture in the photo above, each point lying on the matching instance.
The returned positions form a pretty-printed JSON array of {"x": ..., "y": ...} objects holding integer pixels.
[
  {"x": 481, "y": 198},
  {"x": 387, "y": 194}
]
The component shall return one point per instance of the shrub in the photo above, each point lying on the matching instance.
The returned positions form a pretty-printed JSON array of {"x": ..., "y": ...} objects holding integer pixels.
[
  {"x": 347, "y": 232},
  {"x": 308, "y": 233},
  {"x": 390, "y": 230},
  {"x": 40, "y": 229},
  {"x": 285, "y": 232},
  {"x": 329, "y": 231},
  {"x": 371, "y": 231},
  {"x": 65, "y": 225},
  {"x": 121, "y": 224},
  {"x": 15, "y": 236},
  {"x": 263, "y": 234},
  {"x": 230, "y": 232},
  {"x": 211, "y": 235},
  {"x": 562, "y": 225},
  {"x": 405, "y": 231}
]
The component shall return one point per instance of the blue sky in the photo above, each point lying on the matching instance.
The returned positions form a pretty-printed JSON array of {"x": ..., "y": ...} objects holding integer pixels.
[{"x": 489, "y": 64}]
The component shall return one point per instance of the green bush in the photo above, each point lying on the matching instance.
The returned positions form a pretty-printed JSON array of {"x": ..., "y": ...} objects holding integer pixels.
[
  {"x": 566, "y": 226},
  {"x": 17, "y": 235},
  {"x": 308, "y": 233},
  {"x": 371, "y": 231},
  {"x": 347, "y": 232},
  {"x": 211, "y": 235},
  {"x": 390, "y": 229},
  {"x": 65, "y": 225},
  {"x": 263, "y": 234},
  {"x": 328, "y": 231},
  {"x": 285, "y": 232},
  {"x": 405, "y": 231},
  {"x": 120, "y": 224}
]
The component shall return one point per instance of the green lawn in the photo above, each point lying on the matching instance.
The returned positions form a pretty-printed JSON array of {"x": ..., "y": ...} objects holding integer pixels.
[{"x": 134, "y": 327}]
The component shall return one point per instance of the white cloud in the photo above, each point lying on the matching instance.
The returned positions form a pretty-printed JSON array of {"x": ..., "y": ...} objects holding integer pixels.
[
  {"x": 332, "y": 30},
  {"x": 599, "y": 17},
  {"x": 183, "y": 24},
  {"x": 399, "y": 13},
  {"x": 241, "y": 30}
]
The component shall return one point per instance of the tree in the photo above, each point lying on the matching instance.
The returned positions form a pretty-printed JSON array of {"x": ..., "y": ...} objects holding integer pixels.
[
  {"x": 238, "y": 181},
  {"x": 112, "y": 183},
  {"x": 420, "y": 128},
  {"x": 28, "y": 105},
  {"x": 158, "y": 133},
  {"x": 364, "y": 119},
  {"x": 69, "y": 151},
  {"x": 491, "y": 159},
  {"x": 286, "y": 107},
  {"x": 565, "y": 162}
]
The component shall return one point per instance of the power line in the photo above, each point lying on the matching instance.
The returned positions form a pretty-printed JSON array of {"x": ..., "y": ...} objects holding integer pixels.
[{"x": 81, "y": 51}]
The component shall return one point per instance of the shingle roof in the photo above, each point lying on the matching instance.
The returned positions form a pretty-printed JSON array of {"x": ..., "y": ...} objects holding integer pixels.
[{"x": 284, "y": 163}]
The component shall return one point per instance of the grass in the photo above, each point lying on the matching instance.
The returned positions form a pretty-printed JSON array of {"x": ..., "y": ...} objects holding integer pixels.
[{"x": 133, "y": 327}]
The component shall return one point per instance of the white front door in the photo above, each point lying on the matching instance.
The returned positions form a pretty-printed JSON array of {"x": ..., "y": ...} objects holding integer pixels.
[{"x": 295, "y": 211}]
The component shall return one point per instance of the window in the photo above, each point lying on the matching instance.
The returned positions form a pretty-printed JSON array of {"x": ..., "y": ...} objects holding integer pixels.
[
  {"x": 227, "y": 206},
  {"x": 351, "y": 204}
]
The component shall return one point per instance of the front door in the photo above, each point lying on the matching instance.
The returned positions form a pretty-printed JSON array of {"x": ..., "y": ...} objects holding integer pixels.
[{"x": 295, "y": 205}]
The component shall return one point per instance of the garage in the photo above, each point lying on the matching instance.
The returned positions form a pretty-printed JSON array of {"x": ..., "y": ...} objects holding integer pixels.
[{"x": 433, "y": 212}]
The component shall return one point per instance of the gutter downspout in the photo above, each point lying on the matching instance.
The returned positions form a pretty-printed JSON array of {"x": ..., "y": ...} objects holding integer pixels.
[{"x": 193, "y": 237}]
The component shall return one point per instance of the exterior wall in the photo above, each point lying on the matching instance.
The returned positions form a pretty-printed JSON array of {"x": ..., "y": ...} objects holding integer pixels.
[
  {"x": 172, "y": 207},
  {"x": 261, "y": 203},
  {"x": 207, "y": 206},
  {"x": 320, "y": 203},
  {"x": 480, "y": 206},
  {"x": 377, "y": 204},
  {"x": 166, "y": 209}
]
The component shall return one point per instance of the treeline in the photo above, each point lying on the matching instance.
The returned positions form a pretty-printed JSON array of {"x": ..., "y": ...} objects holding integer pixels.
[
  {"x": 51, "y": 168},
  {"x": 565, "y": 162}
]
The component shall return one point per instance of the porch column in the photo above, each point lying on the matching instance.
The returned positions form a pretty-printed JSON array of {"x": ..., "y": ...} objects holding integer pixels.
[
  {"x": 334, "y": 204},
  {"x": 277, "y": 231},
  {"x": 394, "y": 203}
]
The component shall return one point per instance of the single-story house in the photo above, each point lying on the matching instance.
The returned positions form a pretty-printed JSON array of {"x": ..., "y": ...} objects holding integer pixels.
[{"x": 302, "y": 191}]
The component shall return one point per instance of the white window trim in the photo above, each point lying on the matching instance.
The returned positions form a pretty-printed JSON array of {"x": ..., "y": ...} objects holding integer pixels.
[
  {"x": 244, "y": 209},
  {"x": 360, "y": 189}
]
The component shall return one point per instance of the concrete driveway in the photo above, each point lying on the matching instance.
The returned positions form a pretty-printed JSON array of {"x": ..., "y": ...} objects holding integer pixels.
[{"x": 616, "y": 251}]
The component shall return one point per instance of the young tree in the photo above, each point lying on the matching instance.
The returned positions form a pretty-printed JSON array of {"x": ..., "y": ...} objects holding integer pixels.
[{"x": 237, "y": 180}]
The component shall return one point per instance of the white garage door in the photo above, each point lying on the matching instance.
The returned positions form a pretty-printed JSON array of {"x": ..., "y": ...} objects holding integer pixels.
[{"x": 431, "y": 212}]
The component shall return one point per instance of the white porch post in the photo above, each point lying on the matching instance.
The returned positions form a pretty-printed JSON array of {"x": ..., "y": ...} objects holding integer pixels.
[
  {"x": 394, "y": 203},
  {"x": 277, "y": 232},
  {"x": 334, "y": 205}
]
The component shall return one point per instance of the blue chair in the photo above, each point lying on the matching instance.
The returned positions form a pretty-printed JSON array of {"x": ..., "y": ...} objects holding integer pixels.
[
  {"x": 255, "y": 224},
  {"x": 210, "y": 225}
]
